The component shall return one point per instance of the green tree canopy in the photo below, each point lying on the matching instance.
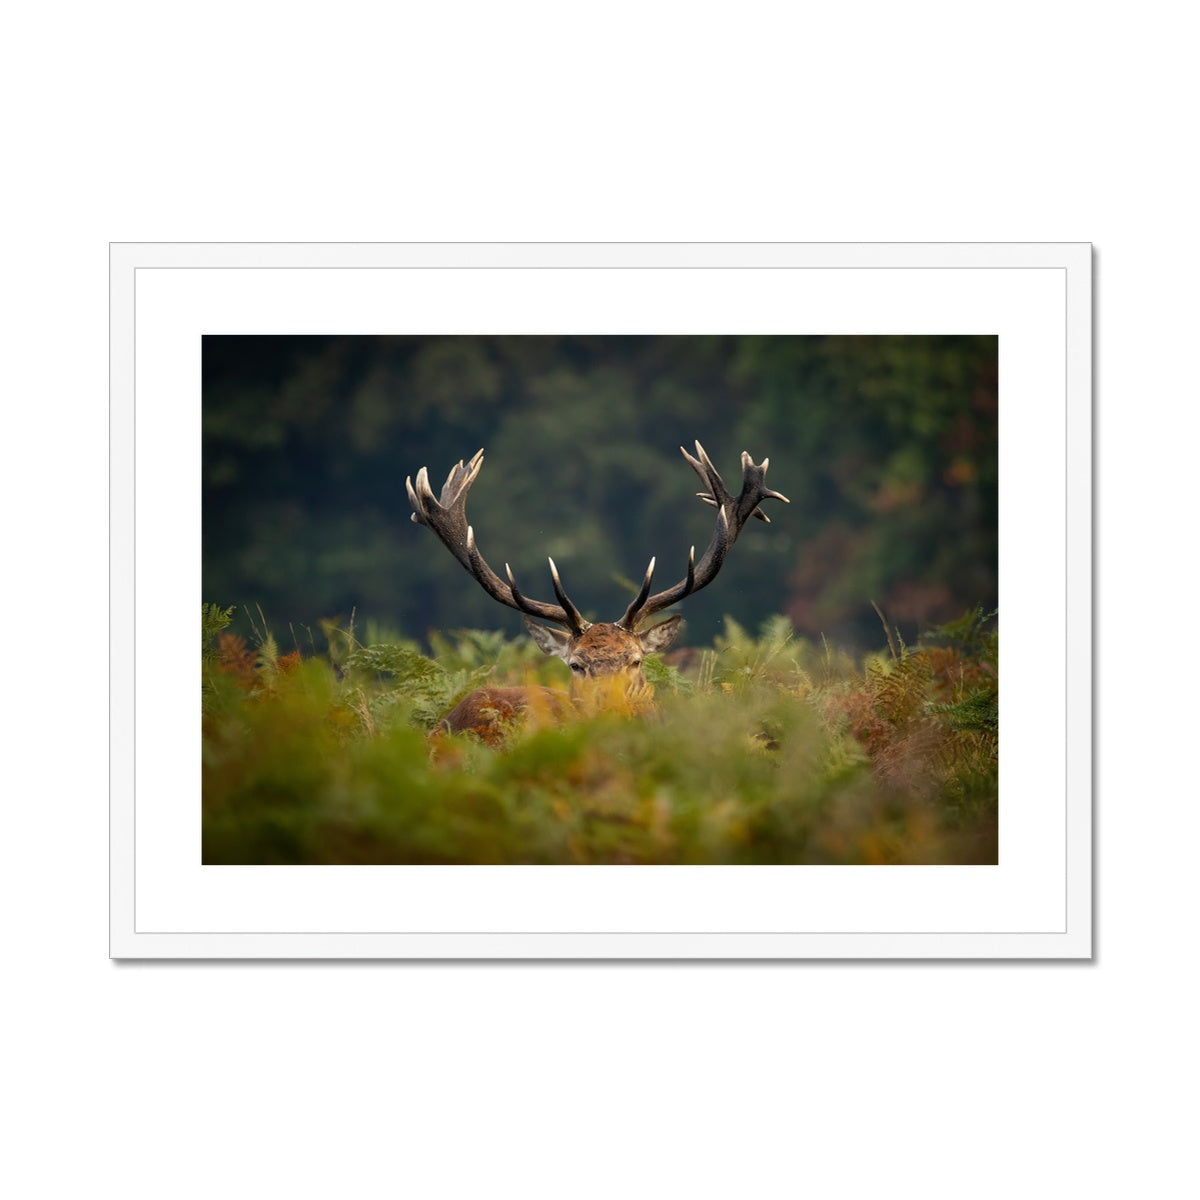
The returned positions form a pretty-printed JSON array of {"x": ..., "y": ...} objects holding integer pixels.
[{"x": 887, "y": 447}]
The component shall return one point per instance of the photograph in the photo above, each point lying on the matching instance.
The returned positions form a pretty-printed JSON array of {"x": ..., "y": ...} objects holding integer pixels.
[{"x": 721, "y": 600}]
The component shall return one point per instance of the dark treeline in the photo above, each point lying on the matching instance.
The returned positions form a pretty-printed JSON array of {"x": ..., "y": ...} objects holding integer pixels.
[{"x": 886, "y": 446}]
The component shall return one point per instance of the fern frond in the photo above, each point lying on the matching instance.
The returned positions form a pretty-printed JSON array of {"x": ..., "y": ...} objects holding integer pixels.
[{"x": 213, "y": 619}]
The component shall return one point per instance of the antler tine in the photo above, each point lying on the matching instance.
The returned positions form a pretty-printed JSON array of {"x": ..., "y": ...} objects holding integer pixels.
[
  {"x": 630, "y": 618},
  {"x": 578, "y": 624},
  {"x": 571, "y": 616},
  {"x": 732, "y": 514},
  {"x": 766, "y": 492},
  {"x": 447, "y": 517}
]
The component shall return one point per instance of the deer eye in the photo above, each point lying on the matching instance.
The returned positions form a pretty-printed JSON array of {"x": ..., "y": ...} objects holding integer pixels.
[
  {"x": 637, "y": 662},
  {"x": 576, "y": 667}
]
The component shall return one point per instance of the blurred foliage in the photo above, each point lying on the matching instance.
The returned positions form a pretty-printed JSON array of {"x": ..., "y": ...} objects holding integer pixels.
[
  {"x": 214, "y": 619},
  {"x": 887, "y": 447},
  {"x": 763, "y": 748}
]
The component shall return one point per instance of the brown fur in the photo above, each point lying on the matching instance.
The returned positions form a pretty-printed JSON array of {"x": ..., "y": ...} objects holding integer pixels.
[
  {"x": 487, "y": 712},
  {"x": 604, "y": 649}
]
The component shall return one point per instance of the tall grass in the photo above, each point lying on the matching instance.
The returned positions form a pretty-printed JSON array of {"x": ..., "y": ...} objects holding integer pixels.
[{"x": 764, "y": 749}]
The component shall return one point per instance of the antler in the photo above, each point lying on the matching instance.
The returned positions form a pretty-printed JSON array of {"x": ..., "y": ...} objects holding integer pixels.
[
  {"x": 447, "y": 517},
  {"x": 732, "y": 513}
]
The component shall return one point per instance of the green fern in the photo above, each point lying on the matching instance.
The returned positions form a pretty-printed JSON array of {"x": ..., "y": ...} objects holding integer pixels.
[
  {"x": 414, "y": 685},
  {"x": 213, "y": 620},
  {"x": 744, "y": 658},
  {"x": 766, "y": 750},
  {"x": 977, "y": 712},
  {"x": 661, "y": 675},
  {"x": 402, "y": 662},
  {"x": 969, "y": 631}
]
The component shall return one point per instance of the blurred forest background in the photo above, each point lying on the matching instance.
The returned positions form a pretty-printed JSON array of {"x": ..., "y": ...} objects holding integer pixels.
[{"x": 886, "y": 446}]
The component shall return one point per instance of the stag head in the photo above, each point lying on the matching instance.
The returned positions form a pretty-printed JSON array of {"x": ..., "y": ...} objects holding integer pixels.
[{"x": 604, "y": 650}]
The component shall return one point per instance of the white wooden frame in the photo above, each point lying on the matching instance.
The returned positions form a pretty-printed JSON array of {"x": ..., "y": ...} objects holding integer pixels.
[{"x": 1037, "y": 903}]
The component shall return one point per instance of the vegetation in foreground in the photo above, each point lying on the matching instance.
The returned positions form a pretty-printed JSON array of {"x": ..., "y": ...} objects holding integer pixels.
[{"x": 762, "y": 749}]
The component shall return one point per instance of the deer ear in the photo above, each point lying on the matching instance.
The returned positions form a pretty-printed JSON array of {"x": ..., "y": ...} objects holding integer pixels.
[
  {"x": 660, "y": 636},
  {"x": 554, "y": 642}
]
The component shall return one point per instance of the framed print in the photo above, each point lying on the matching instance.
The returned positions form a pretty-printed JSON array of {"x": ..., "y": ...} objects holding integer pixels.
[{"x": 762, "y": 719}]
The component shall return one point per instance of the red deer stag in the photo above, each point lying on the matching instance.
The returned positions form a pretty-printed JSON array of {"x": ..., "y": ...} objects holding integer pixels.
[{"x": 604, "y": 655}]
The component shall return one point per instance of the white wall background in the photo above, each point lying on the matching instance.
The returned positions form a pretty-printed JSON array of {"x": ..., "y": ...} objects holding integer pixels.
[{"x": 627, "y": 122}]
